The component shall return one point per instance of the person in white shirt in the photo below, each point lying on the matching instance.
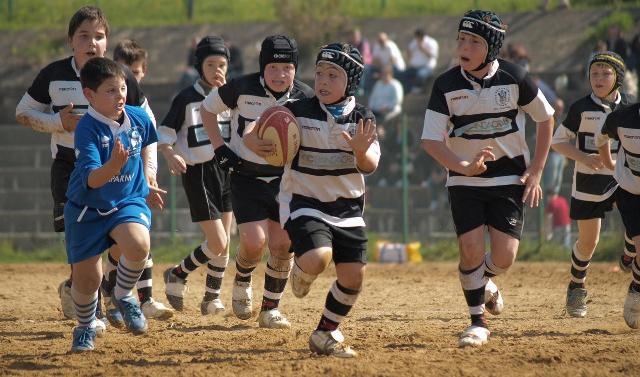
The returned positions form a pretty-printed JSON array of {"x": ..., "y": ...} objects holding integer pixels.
[
  {"x": 423, "y": 57},
  {"x": 386, "y": 98}
]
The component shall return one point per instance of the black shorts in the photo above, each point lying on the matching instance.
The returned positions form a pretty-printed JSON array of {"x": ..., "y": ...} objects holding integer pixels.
[
  {"x": 586, "y": 210},
  {"x": 254, "y": 199},
  {"x": 629, "y": 207},
  {"x": 500, "y": 207},
  {"x": 208, "y": 191},
  {"x": 349, "y": 245},
  {"x": 61, "y": 170}
]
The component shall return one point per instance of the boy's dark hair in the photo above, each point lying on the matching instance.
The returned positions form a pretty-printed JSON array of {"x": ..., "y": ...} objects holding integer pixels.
[
  {"x": 129, "y": 51},
  {"x": 97, "y": 70},
  {"x": 88, "y": 12}
]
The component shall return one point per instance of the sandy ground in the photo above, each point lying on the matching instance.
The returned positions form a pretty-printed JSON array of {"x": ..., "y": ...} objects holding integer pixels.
[{"x": 406, "y": 322}]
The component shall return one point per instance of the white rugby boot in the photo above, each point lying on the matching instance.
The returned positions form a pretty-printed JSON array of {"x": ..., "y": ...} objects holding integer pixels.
[
  {"x": 493, "y": 301},
  {"x": 632, "y": 309},
  {"x": 474, "y": 336},
  {"x": 156, "y": 310},
  {"x": 330, "y": 343},
  {"x": 66, "y": 302},
  {"x": 242, "y": 299},
  {"x": 174, "y": 289},
  {"x": 576, "y": 302},
  {"x": 213, "y": 307},
  {"x": 273, "y": 319}
]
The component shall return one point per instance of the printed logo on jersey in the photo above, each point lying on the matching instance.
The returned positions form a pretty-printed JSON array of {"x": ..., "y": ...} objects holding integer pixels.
[
  {"x": 489, "y": 126},
  {"x": 104, "y": 141},
  {"x": 503, "y": 97},
  {"x": 132, "y": 141},
  {"x": 325, "y": 161}
]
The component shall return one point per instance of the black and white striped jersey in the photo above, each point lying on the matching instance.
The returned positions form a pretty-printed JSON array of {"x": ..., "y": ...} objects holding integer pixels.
[
  {"x": 247, "y": 97},
  {"x": 323, "y": 181},
  {"x": 489, "y": 112},
  {"x": 56, "y": 86},
  {"x": 183, "y": 126},
  {"x": 583, "y": 122},
  {"x": 624, "y": 126}
]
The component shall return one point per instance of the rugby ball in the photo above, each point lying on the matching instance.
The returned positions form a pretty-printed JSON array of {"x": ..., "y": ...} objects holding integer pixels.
[{"x": 279, "y": 125}]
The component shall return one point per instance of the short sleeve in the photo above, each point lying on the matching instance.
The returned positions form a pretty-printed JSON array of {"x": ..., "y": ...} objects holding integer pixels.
[
  {"x": 86, "y": 149},
  {"x": 567, "y": 130},
  {"x": 436, "y": 117},
  {"x": 528, "y": 91},
  {"x": 214, "y": 103}
]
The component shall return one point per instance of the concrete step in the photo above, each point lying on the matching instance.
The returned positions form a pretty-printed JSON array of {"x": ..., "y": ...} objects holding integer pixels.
[
  {"x": 23, "y": 156},
  {"x": 26, "y": 199},
  {"x": 24, "y": 178},
  {"x": 16, "y": 134}
]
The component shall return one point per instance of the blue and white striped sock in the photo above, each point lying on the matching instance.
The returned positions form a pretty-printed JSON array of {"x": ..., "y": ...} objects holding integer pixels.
[
  {"x": 85, "y": 306},
  {"x": 128, "y": 274}
]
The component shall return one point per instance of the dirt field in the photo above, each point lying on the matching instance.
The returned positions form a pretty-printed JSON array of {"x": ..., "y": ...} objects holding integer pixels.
[{"x": 405, "y": 323}]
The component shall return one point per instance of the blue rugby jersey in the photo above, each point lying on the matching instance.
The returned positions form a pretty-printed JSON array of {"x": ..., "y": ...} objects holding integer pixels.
[
  {"x": 94, "y": 142},
  {"x": 472, "y": 114}
]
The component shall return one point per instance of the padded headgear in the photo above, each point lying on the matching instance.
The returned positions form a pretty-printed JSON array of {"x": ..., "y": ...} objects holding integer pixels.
[
  {"x": 278, "y": 49},
  {"x": 210, "y": 45},
  {"x": 613, "y": 60},
  {"x": 346, "y": 57},
  {"x": 488, "y": 26}
]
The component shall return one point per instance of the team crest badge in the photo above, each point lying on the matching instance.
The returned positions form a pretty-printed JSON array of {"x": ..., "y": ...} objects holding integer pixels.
[{"x": 503, "y": 97}]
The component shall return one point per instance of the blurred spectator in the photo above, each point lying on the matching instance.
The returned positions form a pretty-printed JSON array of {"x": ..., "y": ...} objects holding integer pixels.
[
  {"x": 557, "y": 220},
  {"x": 423, "y": 58},
  {"x": 518, "y": 54},
  {"x": 236, "y": 63},
  {"x": 362, "y": 44},
  {"x": 616, "y": 43},
  {"x": 384, "y": 52},
  {"x": 386, "y": 97},
  {"x": 189, "y": 74}
]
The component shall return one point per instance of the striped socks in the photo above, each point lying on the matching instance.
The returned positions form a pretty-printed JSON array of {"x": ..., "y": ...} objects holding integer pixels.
[
  {"x": 339, "y": 302},
  {"x": 128, "y": 274}
]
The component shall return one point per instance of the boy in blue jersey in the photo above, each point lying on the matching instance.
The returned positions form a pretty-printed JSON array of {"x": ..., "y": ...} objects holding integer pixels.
[
  {"x": 54, "y": 104},
  {"x": 475, "y": 127},
  {"x": 106, "y": 198}
]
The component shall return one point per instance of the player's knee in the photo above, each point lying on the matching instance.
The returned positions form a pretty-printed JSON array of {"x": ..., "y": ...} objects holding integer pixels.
[
  {"x": 280, "y": 246},
  {"x": 587, "y": 246},
  {"x": 86, "y": 283},
  {"x": 218, "y": 243},
  {"x": 253, "y": 245}
]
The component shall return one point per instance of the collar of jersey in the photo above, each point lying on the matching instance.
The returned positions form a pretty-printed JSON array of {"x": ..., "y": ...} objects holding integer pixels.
[
  {"x": 492, "y": 71},
  {"x": 115, "y": 127},
  {"x": 350, "y": 104},
  {"x": 599, "y": 102},
  {"x": 279, "y": 101},
  {"x": 201, "y": 89},
  {"x": 74, "y": 66}
]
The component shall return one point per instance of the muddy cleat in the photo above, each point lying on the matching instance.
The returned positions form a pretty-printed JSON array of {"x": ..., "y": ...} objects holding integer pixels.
[
  {"x": 330, "y": 343},
  {"x": 300, "y": 281},
  {"x": 133, "y": 317},
  {"x": 112, "y": 312},
  {"x": 83, "y": 339},
  {"x": 493, "y": 301},
  {"x": 241, "y": 299},
  {"x": 577, "y": 302},
  {"x": 174, "y": 289},
  {"x": 632, "y": 309},
  {"x": 156, "y": 310},
  {"x": 625, "y": 263},
  {"x": 273, "y": 319},
  {"x": 474, "y": 336},
  {"x": 66, "y": 302},
  {"x": 213, "y": 307}
]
